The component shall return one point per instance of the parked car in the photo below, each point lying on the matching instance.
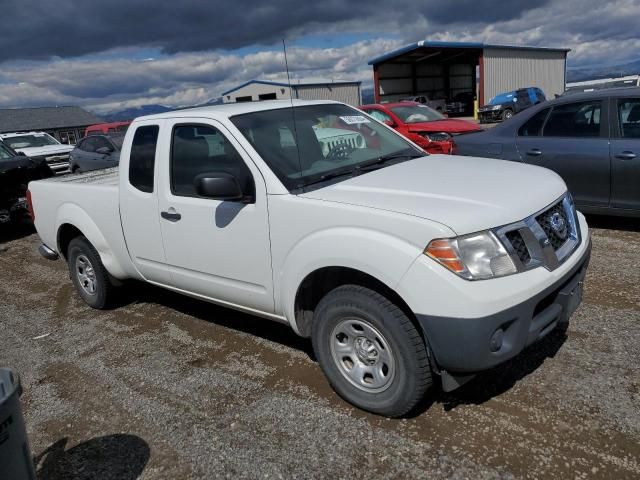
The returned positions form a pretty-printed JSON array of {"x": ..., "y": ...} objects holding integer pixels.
[
  {"x": 107, "y": 128},
  {"x": 40, "y": 146},
  {"x": 592, "y": 140},
  {"x": 506, "y": 105},
  {"x": 96, "y": 152},
  {"x": 422, "y": 125},
  {"x": 399, "y": 270},
  {"x": 16, "y": 171},
  {"x": 439, "y": 105},
  {"x": 461, "y": 104}
]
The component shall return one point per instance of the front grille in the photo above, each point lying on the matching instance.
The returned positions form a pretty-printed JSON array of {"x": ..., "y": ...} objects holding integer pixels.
[
  {"x": 519, "y": 246},
  {"x": 546, "y": 238},
  {"x": 555, "y": 224}
]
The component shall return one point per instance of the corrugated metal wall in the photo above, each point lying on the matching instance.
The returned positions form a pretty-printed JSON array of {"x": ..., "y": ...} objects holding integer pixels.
[
  {"x": 509, "y": 69},
  {"x": 349, "y": 94}
]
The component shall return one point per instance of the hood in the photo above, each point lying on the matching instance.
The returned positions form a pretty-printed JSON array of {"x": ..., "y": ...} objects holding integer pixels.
[
  {"x": 502, "y": 98},
  {"x": 14, "y": 163},
  {"x": 46, "y": 150},
  {"x": 449, "y": 125},
  {"x": 467, "y": 194}
]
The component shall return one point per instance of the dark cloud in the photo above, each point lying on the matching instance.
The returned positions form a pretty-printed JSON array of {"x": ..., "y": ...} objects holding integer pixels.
[{"x": 38, "y": 29}]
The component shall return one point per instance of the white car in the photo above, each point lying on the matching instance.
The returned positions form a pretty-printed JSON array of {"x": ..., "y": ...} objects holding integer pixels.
[
  {"x": 40, "y": 145},
  {"x": 402, "y": 268}
]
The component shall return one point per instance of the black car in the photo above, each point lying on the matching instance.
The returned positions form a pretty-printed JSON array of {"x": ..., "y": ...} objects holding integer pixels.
[
  {"x": 506, "y": 105},
  {"x": 16, "y": 171},
  {"x": 96, "y": 152},
  {"x": 592, "y": 140}
]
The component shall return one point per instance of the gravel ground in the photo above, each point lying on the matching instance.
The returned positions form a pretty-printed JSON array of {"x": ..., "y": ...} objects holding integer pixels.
[{"x": 169, "y": 387}]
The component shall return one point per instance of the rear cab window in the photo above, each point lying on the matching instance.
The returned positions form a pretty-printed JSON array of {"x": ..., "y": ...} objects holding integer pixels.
[{"x": 143, "y": 158}]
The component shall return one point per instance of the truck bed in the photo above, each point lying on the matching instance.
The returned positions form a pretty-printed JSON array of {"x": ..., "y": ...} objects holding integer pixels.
[{"x": 89, "y": 201}]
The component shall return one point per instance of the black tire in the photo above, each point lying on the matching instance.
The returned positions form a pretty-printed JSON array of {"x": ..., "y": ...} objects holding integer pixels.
[
  {"x": 507, "y": 114},
  {"x": 409, "y": 377},
  {"x": 81, "y": 251}
]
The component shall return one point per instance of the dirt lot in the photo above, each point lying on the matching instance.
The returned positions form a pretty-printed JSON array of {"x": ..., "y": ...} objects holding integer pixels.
[{"x": 168, "y": 387}]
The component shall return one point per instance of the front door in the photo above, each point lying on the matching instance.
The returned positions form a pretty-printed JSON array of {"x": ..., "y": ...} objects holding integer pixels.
[
  {"x": 574, "y": 142},
  {"x": 217, "y": 249},
  {"x": 625, "y": 154}
]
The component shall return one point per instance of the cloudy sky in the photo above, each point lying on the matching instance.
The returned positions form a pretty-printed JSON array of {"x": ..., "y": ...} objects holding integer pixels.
[{"x": 118, "y": 54}]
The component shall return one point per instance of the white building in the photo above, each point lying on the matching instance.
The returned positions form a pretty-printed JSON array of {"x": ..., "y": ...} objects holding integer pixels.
[{"x": 256, "y": 90}]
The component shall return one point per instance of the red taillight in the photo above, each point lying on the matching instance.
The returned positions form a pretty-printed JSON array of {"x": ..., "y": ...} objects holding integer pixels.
[{"x": 30, "y": 207}]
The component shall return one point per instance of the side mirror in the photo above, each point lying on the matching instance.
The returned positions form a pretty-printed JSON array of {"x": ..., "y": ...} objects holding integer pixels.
[
  {"x": 104, "y": 150},
  {"x": 219, "y": 186},
  {"x": 390, "y": 123}
]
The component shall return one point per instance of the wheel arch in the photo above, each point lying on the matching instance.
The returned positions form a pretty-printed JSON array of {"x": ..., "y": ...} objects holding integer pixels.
[
  {"x": 72, "y": 222},
  {"x": 325, "y": 279}
]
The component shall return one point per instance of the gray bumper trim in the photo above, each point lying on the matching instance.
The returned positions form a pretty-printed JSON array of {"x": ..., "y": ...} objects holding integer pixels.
[{"x": 47, "y": 253}]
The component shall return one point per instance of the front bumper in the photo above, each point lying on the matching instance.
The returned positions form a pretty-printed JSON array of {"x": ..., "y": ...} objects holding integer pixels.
[
  {"x": 468, "y": 345},
  {"x": 490, "y": 116}
]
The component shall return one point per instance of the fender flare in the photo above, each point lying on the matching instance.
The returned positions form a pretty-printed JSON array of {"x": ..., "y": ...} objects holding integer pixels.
[{"x": 71, "y": 214}]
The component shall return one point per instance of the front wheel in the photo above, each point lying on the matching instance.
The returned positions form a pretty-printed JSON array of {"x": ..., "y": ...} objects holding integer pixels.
[
  {"x": 370, "y": 351},
  {"x": 507, "y": 114},
  {"x": 88, "y": 274}
]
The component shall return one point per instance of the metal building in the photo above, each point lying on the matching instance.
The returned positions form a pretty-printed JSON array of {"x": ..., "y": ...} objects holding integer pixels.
[
  {"x": 256, "y": 90},
  {"x": 444, "y": 70},
  {"x": 65, "y": 124}
]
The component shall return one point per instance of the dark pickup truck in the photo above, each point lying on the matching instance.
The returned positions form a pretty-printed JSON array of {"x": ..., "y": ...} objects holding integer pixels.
[{"x": 16, "y": 171}]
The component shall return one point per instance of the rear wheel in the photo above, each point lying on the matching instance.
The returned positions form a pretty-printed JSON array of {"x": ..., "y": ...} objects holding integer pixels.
[
  {"x": 370, "y": 351},
  {"x": 88, "y": 274}
]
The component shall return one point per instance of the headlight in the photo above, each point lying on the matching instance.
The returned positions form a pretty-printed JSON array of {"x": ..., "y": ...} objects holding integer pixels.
[
  {"x": 475, "y": 257},
  {"x": 437, "y": 137},
  {"x": 496, "y": 107}
]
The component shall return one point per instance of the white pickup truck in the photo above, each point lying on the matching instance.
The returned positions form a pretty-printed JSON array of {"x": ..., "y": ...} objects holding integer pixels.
[{"x": 401, "y": 267}]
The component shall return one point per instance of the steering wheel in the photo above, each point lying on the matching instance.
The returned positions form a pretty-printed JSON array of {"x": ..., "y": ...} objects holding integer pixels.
[{"x": 340, "y": 152}]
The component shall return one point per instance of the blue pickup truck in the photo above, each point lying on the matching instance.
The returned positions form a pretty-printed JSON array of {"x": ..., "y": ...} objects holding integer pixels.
[{"x": 505, "y": 105}]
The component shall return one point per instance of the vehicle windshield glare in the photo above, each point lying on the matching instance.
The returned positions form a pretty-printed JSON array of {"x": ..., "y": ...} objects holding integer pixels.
[
  {"x": 325, "y": 141},
  {"x": 5, "y": 154},
  {"x": 33, "y": 140},
  {"x": 117, "y": 140},
  {"x": 417, "y": 114}
]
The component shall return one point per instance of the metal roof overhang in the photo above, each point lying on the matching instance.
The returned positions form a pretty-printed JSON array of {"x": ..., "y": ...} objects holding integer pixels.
[{"x": 424, "y": 50}]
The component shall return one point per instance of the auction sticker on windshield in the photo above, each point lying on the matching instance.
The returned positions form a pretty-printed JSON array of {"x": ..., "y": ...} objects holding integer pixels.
[{"x": 354, "y": 119}]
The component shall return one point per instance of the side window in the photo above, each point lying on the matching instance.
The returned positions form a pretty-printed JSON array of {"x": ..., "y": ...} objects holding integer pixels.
[
  {"x": 101, "y": 142},
  {"x": 574, "y": 120},
  {"x": 143, "y": 158},
  {"x": 629, "y": 117},
  {"x": 88, "y": 145},
  {"x": 380, "y": 116},
  {"x": 202, "y": 149},
  {"x": 533, "y": 126}
]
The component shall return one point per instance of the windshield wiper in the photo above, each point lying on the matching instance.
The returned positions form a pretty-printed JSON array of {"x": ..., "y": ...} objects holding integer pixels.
[
  {"x": 329, "y": 176},
  {"x": 380, "y": 161},
  {"x": 363, "y": 168}
]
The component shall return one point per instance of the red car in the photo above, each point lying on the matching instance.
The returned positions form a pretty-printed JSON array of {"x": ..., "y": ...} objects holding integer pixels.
[
  {"x": 422, "y": 125},
  {"x": 107, "y": 128}
]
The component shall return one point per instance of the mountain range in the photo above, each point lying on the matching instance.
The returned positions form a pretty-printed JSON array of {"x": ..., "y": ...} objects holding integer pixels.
[{"x": 573, "y": 75}]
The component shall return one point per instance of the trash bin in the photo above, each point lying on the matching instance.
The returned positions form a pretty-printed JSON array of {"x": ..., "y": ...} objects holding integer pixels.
[{"x": 15, "y": 456}]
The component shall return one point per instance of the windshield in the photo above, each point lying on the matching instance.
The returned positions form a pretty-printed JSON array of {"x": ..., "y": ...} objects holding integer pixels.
[
  {"x": 416, "y": 114},
  {"x": 502, "y": 98},
  {"x": 33, "y": 140},
  {"x": 117, "y": 140},
  {"x": 327, "y": 141},
  {"x": 5, "y": 153}
]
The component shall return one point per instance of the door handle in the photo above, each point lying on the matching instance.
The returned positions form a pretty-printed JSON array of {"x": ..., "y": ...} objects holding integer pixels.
[
  {"x": 534, "y": 152},
  {"x": 626, "y": 155},
  {"x": 172, "y": 217}
]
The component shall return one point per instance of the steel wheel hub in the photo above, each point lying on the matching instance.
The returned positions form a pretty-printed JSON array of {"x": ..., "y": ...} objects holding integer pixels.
[
  {"x": 363, "y": 355},
  {"x": 86, "y": 275}
]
